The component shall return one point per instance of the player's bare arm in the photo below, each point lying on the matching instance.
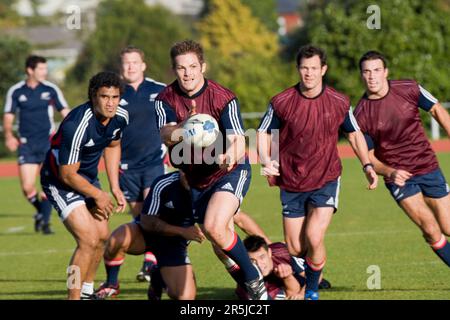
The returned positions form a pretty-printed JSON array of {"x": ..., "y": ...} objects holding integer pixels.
[
  {"x": 112, "y": 160},
  {"x": 234, "y": 153},
  {"x": 64, "y": 112},
  {"x": 154, "y": 224},
  {"x": 398, "y": 176},
  {"x": 11, "y": 142},
  {"x": 359, "y": 145},
  {"x": 269, "y": 167},
  {"x": 68, "y": 174},
  {"x": 291, "y": 285},
  {"x": 441, "y": 115}
]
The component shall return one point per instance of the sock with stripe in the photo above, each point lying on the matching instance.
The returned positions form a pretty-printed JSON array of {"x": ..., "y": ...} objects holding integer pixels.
[
  {"x": 112, "y": 271},
  {"x": 312, "y": 273},
  {"x": 233, "y": 269},
  {"x": 237, "y": 252},
  {"x": 442, "y": 249},
  {"x": 35, "y": 202},
  {"x": 149, "y": 261},
  {"x": 87, "y": 288}
]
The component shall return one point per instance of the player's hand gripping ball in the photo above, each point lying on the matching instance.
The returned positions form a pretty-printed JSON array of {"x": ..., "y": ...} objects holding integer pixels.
[{"x": 200, "y": 130}]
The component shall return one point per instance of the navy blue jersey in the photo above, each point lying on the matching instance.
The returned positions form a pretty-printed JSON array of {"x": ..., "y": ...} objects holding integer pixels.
[
  {"x": 141, "y": 142},
  {"x": 82, "y": 138},
  {"x": 35, "y": 107},
  {"x": 170, "y": 201}
]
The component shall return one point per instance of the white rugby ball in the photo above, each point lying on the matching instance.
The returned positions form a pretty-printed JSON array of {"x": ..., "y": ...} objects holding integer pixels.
[{"x": 200, "y": 130}]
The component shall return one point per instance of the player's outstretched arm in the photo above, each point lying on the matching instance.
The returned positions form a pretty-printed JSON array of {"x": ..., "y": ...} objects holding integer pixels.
[
  {"x": 153, "y": 224},
  {"x": 172, "y": 133},
  {"x": 441, "y": 115},
  {"x": 112, "y": 160}
]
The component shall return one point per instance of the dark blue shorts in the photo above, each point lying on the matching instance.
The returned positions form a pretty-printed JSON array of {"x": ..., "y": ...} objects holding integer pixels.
[
  {"x": 32, "y": 153},
  {"x": 295, "y": 204},
  {"x": 432, "y": 185},
  {"x": 133, "y": 182},
  {"x": 236, "y": 182},
  {"x": 169, "y": 251},
  {"x": 63, "y": 198}
]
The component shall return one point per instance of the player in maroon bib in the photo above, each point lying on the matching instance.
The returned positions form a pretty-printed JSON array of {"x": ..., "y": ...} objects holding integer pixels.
[
  {"x": 388, "y": 114},
  {"x": 308, "y": 117},
  {"x": 217, "y": 189}
]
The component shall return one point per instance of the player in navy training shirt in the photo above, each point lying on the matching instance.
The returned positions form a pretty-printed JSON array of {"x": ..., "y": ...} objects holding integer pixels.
[
  {"x": 69, "y": 175},
  {"x": 217, "y": 189},
  {"x": 308, "y": 117},
  {"x": 34, "y": 100},
  {"x": 165, "y": 225},
  {"x": 142, "y": 150},
  {"x": 388, "y": 114}
]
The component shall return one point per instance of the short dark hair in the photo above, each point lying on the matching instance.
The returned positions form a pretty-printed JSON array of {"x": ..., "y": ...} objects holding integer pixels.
[
  {"x": 372, "y": 55},
  {"x": 130, "y": 49},
  {"x": 33, "y": 60},
  {"x": 104, "y": 79},
  {"x": 184, "y": 47},
  {"x": 254, "y": 243},
  {"x": 310, "y": 51}
]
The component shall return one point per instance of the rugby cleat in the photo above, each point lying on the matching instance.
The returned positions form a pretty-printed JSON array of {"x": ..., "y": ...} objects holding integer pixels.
[
  {"x": 324, "y": 284},
  {"x": 255, "y": 288},
  {"x": 144, "y": 274},
  {"x": 47, "y": 230},
  {"x": 107, "y": 291},
  {"x": 311, "y": 295},
  {"x": 38, "y": 222}
]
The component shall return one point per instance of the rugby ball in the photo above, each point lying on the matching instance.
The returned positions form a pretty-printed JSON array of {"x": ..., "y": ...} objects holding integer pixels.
[{"x": 200, "y": 130}]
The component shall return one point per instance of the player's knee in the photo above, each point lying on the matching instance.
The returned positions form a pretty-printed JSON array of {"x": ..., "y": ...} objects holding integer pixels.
[
  {"x": 28, "y": 189},
  {"x": 431, "y": 231},
  {"x": 89, "y": 243},
  {"x": 213, "y": 231},
  {"x": 293, "y": 248},
  {"x": 314, "y": 240}
]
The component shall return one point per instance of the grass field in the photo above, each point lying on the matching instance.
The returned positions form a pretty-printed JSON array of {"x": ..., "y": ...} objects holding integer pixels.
[{"x": 369, "y": 229}]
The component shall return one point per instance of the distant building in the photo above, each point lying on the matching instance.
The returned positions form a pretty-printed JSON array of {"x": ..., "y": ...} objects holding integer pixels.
[{"x": 289, "y": 17}]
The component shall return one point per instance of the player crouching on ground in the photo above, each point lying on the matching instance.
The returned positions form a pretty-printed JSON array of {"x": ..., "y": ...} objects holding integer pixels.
[{"x": 165, "y": 228}]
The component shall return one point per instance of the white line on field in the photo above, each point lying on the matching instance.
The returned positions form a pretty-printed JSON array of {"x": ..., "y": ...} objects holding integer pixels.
[{"x": 15, "y": 229}]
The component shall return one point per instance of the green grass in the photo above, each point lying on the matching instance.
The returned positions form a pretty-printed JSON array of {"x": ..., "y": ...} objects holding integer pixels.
[{"x": 369, "y": 229}]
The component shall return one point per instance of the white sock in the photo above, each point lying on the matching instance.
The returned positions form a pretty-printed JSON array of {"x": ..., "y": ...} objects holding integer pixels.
[{"x": 87, "y": 288}]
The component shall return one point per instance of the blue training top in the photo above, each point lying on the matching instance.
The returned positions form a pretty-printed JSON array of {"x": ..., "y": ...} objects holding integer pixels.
[{"x": 141, "y": 142}]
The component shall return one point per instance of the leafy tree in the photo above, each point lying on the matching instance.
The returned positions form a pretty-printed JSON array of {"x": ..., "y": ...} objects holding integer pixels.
[
  {"x": 8, "y": 16},
  {"x": 414, "y": 36},
  {"x": 13, "y": 53},
  {"x": 245, "y": 54},
  {"x": 120, "y": 23}
]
